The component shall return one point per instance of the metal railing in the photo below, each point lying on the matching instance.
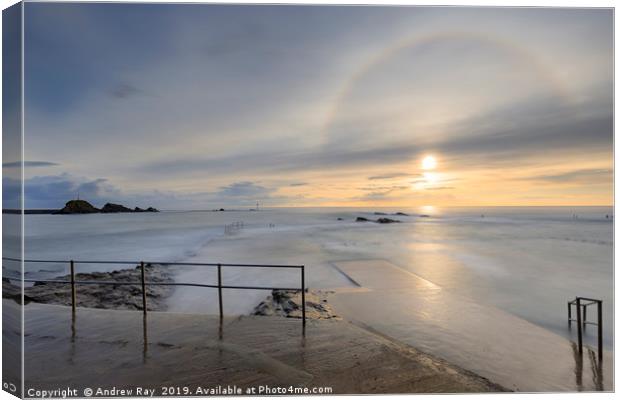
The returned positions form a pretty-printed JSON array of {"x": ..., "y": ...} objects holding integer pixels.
[
  {"x": 581, "y": 305},
  {"x": 144, "y": 283}
]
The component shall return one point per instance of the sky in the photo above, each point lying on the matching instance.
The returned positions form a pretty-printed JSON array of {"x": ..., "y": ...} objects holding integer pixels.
[{"x": 207, "y": 106}]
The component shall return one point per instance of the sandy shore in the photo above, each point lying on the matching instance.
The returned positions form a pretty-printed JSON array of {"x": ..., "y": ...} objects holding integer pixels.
[{"x": 105, "y": 348}]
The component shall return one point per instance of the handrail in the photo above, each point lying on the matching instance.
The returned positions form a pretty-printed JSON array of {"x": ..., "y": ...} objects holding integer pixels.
[
  {"x": 144, "y": 283},
  {"x": 582, "y": 321},
  {"x": 157, "y": 263}
]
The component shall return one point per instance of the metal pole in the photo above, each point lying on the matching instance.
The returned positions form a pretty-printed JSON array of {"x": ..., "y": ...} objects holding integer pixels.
[
  {"x": 569, "y": 314},
  {"x": 303, "y": 294},
  {"x": 579, "y": 342},
  {"x": 585, "y": 316},
  {"x": 73, "y": 297},
  {"x": 143, "y": 288},
  {"x": 600, "y": 329},
  {"x": 219, "y": 289}
]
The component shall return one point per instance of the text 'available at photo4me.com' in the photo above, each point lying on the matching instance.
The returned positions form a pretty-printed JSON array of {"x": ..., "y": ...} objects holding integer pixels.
[{"x": 220, "y": 390}]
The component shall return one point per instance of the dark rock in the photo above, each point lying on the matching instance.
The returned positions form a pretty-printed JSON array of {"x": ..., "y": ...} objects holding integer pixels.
[
  {"x": 114, "y": 208},
  {"x": 287, "y": 303},
  {"x": 380, "y": 213},
  {"x": 361, "y": 219},
  {"x": 77, "y": 207},
  {"x": 340, "y": 219},
  {"x": 425, "y": 216},
  {"x": 221, "y": 209},
  {"x": 138, "y": 209},
  {"x": 122, "y": 296},
  {"x": 387, "y": 221},
  {"x": 152, "y": 209},
  {"x": 402, "y": 213}
]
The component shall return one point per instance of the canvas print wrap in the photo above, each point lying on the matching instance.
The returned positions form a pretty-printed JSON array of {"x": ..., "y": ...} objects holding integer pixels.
[{"x": 232, "y": 199}]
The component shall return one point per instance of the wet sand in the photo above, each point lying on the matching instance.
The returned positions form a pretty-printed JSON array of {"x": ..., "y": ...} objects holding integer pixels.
[
  {"x": 515, "y": 353},
  {"x": 106, "y": 348}
]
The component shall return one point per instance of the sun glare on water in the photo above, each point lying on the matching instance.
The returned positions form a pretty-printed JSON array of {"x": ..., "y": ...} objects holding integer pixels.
[{"x": 429, "y": 162}]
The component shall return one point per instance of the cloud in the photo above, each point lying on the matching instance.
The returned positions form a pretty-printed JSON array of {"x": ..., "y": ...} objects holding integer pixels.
[
  {"x": 391, "y": 176},
  {"x": 31, "y": 164},
  {"x": 440, "y": 188},
  {"x": 580, "y": 176},
  {"x": 250, "y": 94},
  {"x": 124, "y": 90},
  {"x": 53, "y": 191},
  {"x": 385, "y": 187},
  {"x": 381, "y": 195},
  {"x": 495, "y": 137},
  {"x": 244, "y": 189}
]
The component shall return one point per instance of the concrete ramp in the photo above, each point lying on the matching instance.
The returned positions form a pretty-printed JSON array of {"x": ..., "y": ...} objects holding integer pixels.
[
  {"x": 123, "y": 349},
  {"x": 495, "y": 344},
  {"x": 381, "y": 274}
]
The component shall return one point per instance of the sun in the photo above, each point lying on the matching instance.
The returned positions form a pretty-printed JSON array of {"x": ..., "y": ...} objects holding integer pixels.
[{"x": 429, "y": 162}]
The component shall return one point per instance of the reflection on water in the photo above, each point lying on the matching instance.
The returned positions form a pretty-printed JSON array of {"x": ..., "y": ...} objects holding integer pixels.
[
  {"x": 497, "y": 345},
  {"x": 596, "y": 368},
  {"x": 145, "y": 340},
  {"x": 73, "y": 348}
]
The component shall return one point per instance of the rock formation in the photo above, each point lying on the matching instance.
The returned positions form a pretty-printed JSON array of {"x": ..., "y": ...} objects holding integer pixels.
[
  {"x": 84, "y": 207},
  {"x": 287, "y": 303},
  {"x": 387, "y": 221},
  {"x": 78, "y": 207},
  {"x": 119, "y": 297},
  {"x": 114, "y": 208}
]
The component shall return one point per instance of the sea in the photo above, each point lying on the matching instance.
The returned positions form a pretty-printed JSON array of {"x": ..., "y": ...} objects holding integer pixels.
[{"x": 527, "y": 261}]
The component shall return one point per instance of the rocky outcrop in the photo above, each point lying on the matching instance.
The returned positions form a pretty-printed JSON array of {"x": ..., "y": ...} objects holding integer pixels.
[
  {"x": 387, "y": 221},
  {"x": 84, "y": 207},
  {"x": 150, "y": 209},
  {"x": 115, "y": 208},
  {"x": 382, "y": 220},
  {"x": 121, "y": 297},
  {"x": 287, "y": 303},
  {"x": 78, "y": 207}
]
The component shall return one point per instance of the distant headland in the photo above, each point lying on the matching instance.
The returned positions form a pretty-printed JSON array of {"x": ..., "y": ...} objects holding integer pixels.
[{"x": 84, "y": 207}]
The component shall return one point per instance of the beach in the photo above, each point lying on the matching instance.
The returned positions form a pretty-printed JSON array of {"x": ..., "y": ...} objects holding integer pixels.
[
  {"x": 122, "y": 350},
  {"x": 448, "y": 284}
]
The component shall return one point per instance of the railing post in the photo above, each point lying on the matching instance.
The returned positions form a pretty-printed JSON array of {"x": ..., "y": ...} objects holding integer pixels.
[
  {"x": 569, "y": 314},
  {"x": 579, "y": 340},
  {"x": 600, "y": 329},
  {"x": 73, "y": 297},
  {"x": 143, "y": 287},
  {"x": 303, "y": 294},
  {"x": 219, "y": 289},
  {"x": 585, "y": 317}
]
